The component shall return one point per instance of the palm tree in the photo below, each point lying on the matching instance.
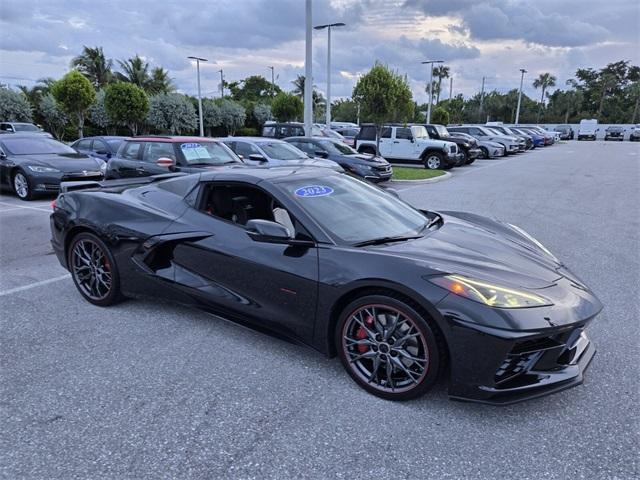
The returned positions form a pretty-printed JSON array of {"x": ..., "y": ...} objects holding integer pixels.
[
  {"x": 298, "y": 85},
  {"x": 440, "y": 72},
  {"x": 93, "y": 65},
  {"x": 160, "y": 81},
  {"x": 544, "y": 81},
  {"x": 39, "y": 90},
  {"x": 136, "y": 71}
]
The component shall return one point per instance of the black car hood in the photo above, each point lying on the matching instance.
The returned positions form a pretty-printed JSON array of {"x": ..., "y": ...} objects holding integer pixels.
[
  {"x": 366, "y": 159},
  {"x": 484, "y": 249},
  {"x": 67, "y": 162}
]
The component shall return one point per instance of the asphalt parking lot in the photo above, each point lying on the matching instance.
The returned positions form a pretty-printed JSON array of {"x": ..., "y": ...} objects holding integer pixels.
[{"x": 151, "y": 390}]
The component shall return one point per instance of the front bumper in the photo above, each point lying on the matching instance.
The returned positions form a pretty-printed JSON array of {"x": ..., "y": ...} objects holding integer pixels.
[
  {"x": 50, "y": 182},
  {"x": 451, "y": 158},
  {"x": 474, "y": 153},
  {"x": 512, "y": 148}
]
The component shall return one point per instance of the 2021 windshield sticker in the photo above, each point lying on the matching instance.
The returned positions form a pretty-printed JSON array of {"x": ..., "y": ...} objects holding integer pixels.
[{"x": 313, "y": 191}]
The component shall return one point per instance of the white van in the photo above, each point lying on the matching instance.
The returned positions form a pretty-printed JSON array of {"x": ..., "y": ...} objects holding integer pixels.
[{"x": 587, "y": 129}]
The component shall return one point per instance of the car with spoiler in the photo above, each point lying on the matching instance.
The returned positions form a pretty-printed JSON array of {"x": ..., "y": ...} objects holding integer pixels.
[{"x": 401, "y": 295}]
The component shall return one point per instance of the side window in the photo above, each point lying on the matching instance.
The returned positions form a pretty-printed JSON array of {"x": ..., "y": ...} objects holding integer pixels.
[
  {"x": 6, "y": 127},
  {"x": 131, "y": 150},
  {"x": 282, "y": 132},
  {"x": 404, "y": 134},
  {"x": 475, "y": 131},
  {"x": 155, "y": 150},
  {"x": 100, "y": 146},
  {"x": 306, "y": 147},
  {"x": 386, "y": 132},
  {"x": 269, "y": 131},
  {"x": 84, "y": 145},
  {"x": 245, "y": 149},
  {"x": 297, "y": 132}
]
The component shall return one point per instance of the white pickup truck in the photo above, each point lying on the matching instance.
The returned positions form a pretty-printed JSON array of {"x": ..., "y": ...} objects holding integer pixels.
[{"x": 409, "y": 144}]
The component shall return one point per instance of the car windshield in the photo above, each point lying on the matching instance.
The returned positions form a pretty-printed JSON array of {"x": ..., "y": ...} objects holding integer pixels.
[
  {"x": 282, "y": 151},
  {"x": 331, "y": 134},
  {"x": 354, "y": 211},
  {"x": 493, "y": 132},
  {"x": 115, "y": 143},
  {"x": 442, "y": 131},
  {"x": 337, "y": 147},
  {"x": 419, "y": 132},
  {"x": 25, "y": 127},
  {"x": 35, "y": 145},
  {"x": 209, "y": 153}
]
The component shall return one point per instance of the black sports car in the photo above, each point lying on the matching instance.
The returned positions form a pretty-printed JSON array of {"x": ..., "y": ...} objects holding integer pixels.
[
  {"x": 401, "y": 295},
  {"x": 34, "y": 164}
]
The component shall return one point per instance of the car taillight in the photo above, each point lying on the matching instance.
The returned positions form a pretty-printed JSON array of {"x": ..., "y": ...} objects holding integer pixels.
[{"x": 53, "y": 205}]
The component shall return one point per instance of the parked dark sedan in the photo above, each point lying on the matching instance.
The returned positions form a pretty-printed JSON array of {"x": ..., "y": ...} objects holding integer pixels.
[
  {"x": 401, "y": 295},
  {"x": 144, "y": 156},
  {"x": 103, "y": 147},
  {"x": 33, "y": 164},
  {"x": 614, "y": 133},
  {"x": 369, "y": 167}
]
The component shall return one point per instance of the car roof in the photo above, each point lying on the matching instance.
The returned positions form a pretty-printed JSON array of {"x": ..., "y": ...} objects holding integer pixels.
[
  {"x": 169, "y": 139},
  {"x": 250, "y": 139},
  {"x": 317, "y": 137},
  {"x": 256, "y": 174}
]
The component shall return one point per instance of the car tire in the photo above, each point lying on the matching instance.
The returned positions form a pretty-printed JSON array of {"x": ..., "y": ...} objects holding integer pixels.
[
  {"x": 398, "y": 360},
  {"x": 100, "y": 282},
  {"x": 465, "y": 159},
  {"x": 470, "y": 161},
  {"x": 485, "y": 153},
  {"x": 21, "y": 184},
  {"x": 433, "y": 161}
]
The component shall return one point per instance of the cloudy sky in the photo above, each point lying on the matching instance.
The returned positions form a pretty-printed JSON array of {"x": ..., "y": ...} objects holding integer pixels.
[{"x": 492, "y": 38}]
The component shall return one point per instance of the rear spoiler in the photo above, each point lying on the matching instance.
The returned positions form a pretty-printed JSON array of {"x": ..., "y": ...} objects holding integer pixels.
[{"x": 120, "y": 182}]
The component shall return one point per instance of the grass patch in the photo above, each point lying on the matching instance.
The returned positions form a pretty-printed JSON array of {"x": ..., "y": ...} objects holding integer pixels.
[{"x": 408, "y": 173}]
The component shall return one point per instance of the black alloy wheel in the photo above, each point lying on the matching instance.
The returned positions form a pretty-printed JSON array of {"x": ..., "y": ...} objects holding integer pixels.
[
  {"x": 388, "y": 348},
  {"x": 94, "y": 270}
]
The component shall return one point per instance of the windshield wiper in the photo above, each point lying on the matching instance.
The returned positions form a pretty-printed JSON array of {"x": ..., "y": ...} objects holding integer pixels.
[
  {"x": 383, "y": 240},
  {"x": 434, "y": 221}
]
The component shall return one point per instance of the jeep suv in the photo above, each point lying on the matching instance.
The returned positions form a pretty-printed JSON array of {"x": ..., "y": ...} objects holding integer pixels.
[
  {"x": 410, "y": 144},
  {"x": 144, "y": 156}
]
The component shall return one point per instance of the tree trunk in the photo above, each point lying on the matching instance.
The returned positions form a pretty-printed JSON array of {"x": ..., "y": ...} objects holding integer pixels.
[
  {"x": 438, "y": 92},
  {"x": 80, "y": 124},
  {"x": 604, "y": 92},
  {"x": 541, "y": 105},
  {"x": 566, "y": 115},
  {"x": 378, "y": 135}
]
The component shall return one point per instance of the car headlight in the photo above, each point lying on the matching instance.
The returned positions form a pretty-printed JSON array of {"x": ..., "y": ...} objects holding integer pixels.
[
  {"x": 103, "y": 167},
  {"x": 489, "y": 293},
  {"x": 41, "y": 169},
  {"x": 534, "y": 241}
]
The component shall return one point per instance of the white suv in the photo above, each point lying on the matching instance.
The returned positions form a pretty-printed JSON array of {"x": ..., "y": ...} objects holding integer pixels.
[{"x": 410, "y": 144}]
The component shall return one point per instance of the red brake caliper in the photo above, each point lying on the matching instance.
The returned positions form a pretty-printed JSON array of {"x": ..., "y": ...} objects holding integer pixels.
[{"x": 361, "y": 334}]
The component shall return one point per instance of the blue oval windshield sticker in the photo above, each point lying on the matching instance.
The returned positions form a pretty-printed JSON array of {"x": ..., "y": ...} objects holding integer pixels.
[{"x": 314, "y": 191}]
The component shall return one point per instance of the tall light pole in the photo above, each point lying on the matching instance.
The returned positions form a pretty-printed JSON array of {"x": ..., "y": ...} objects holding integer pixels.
[
  {"x": 198, "y": 60},
  {"x": 481, "y": 98},
  {"x": 431, "y": 62},
  {"x": 522, "y": 72},
  {"x": 221, "y": 83},
  {"x": 273, "y": 83},
  {"x": 308, "y": 73},
  {"x": 328, "y": 27},
  {"x": 450, "y": 89}
]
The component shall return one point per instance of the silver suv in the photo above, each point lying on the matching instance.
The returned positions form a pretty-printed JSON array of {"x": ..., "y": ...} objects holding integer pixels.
[{"x": 509, "y": 143}]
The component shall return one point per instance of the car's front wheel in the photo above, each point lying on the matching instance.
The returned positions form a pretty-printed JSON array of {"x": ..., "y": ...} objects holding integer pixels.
[
  {"x": 433, "y": 161},
  {"x": 485, "y": 153},
  {"x": 22, "y": 186},
  {"x": 94, "y": 270},
  {"x": 387, "y": 347}
]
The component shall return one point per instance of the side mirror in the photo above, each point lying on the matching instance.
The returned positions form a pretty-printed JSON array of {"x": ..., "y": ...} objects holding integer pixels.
[
  {"x": 165, "y": 162},
  {"x": 241, "y": 157},
  {"x": 412, "y": 140},
  {"x": 321, "y": 153},
  {"x": 268, "y": 231},
  {"x": 257, "y": 158}
]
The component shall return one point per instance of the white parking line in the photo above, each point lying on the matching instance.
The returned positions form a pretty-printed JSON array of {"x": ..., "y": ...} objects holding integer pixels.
[
  {"x": 34, "y": 285},
  {"x": 13, "y": 205}
]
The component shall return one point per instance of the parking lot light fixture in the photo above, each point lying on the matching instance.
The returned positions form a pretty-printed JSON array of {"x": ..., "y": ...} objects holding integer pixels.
[
  {"x": 328, "y": 27},
  {"x": 198, "y": 60},
  {"x": 431, "y": 62},
  {"x": 273, "y": 83},
  {"x": 308, "y": 70},
  {"x": 522, "y": 72}
]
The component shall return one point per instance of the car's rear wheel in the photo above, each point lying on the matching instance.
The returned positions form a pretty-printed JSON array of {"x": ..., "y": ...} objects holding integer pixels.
[
  {"x": 94, "y": 270},
  {"x": 433, "y": 161},
  {"x": 22, "y": 185},
  {"x": 387, "y": 347}
]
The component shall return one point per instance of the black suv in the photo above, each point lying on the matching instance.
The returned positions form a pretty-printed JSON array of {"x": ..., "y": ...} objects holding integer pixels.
[
  {"x": 614, "y": 133},
  {"x": 283, "y": 130},
  {"x": 469, "y": 148},
  {"x": 144, "y": 156}
]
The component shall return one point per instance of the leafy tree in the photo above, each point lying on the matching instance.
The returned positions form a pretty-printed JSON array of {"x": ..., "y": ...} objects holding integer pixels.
[
  {"x": 136, "y": 71},
  {"x": 232, "y": 115},
  {"x": 287, "y": 107},
  {"x": 211, "y": 115},
  {"x": 440, "y": 116},
  {"x": 262, "y": 113},
  {"x": 98, "y": 113},
  {"x": 160, "y": 82},
  {"x": 14, "y": 106},
  {"x": 253, "y": 88},
  {"x": 343, "y": 110},
  {"x": 75, "y": 94},
  {"x": 127, "y": 104},
  {"x": 53, "y": 116},
  {"x": 383, "y": 96},
  {"x": 173, "y": 113},
  {"x": 544, "y": 81},
  {"x": 94, "y": 65},
  {"x": 455, "y": 107}
]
